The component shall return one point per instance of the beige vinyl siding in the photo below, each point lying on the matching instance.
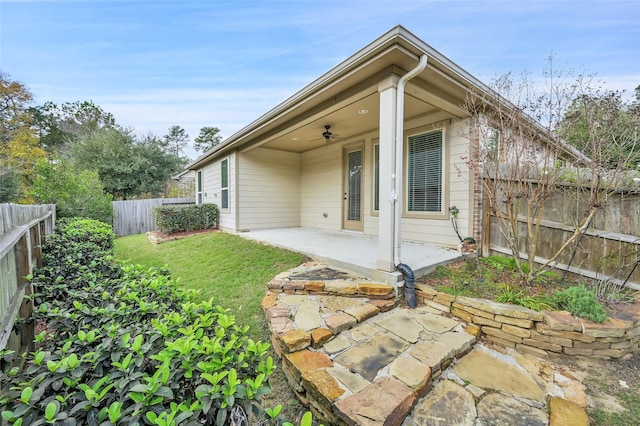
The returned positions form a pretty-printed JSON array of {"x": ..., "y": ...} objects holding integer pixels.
[
  {"x": 440, "y": 231},
  {"x": 321, "y": 186},
  {"x": 211, "y": 186},
  {"x": 269, "y": 189}
]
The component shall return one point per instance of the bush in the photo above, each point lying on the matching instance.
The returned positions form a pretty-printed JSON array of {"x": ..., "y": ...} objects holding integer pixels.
[
  {"x": 128, "y": 346},
  {"x": 74, "y": 192},
  {"x": 186, "y": 218},
  {"x": 581, "y": 302}
]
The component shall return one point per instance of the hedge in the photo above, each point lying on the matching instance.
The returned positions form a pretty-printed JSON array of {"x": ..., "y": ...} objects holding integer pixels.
[
  {"x": 171, "y": 219},
  {"x": 127, "y": 346}
]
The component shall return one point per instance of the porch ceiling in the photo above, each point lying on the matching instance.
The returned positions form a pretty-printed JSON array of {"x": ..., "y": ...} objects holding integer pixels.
[{"x": 355, "y": 118}]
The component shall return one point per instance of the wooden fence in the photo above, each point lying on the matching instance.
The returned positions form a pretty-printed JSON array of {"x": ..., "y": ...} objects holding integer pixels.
[
  {"x": 611, "y": 241},
  {"x": 23, "y": 229},
  {"x": 136, "y": 216}
]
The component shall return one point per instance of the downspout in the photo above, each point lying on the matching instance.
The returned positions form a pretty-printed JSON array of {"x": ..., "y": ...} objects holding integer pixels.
[
  {"x": 409, "y": 284},
  {"x": 399, "y": 149}
]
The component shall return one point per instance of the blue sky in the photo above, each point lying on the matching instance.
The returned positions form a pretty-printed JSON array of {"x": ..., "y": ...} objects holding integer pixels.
[{"x": 155, "y": 63}]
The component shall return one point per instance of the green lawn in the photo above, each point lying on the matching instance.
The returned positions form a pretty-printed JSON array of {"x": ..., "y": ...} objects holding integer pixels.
[{"x": 232, "y": 270}]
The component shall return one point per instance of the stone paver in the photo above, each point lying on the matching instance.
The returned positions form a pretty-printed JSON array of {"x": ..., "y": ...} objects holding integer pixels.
[
  {"x": 385, "y": 402},
  {"x": 363, "y": 331},
  {"x": 370, "y": 356},
  {"x": 308, "y": 316},
  {"x": 356, "y": 358},
  {"x": 499, "y": 409},
  {"x": 320, "y": 336},
  {"x": 337, "y": 303},
  {"x": 340, "y": 322},
  {"x": 566, "y": 413},
  {"x": 352, "y": 381},
  {"x": 485, "y": 370},
  {"x": 403, "y": 324},
  {"x": 295, "y": 340},
  {"x": 336, "y": 345},
  {"x": 363, "y": 312},
  {"x": 435, "y": 323},
  {"x": 412, "y": 373},
  {"x": 446, "y": 404}
]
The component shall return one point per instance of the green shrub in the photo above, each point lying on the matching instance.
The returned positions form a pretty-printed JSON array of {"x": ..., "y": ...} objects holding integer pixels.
[
  {"x": 128, "y": 346},
  {"x": 79, "y": 229},
  {"x": 74, "y": 192},
  {"x": 186, "y": 218},
  {"x": 581, "y": 302}
]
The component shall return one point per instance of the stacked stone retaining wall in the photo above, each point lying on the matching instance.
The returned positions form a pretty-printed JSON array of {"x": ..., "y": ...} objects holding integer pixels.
[{"x": 541, "y": 333}]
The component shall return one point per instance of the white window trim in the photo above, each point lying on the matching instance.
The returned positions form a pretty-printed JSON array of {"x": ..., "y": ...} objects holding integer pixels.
[
  {"x": 199, "y": 188},
  {"x": 444, "y": 201},
  {"x": 375, "y": 211},
  {"x": 224, "y": 189}
]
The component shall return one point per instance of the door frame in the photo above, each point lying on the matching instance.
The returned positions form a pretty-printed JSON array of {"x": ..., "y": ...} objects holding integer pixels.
[{"x": 349, "y": 224}]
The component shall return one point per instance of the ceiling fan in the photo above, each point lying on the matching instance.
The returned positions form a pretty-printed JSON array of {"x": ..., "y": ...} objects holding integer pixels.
[{"x": 328, "y": 135}]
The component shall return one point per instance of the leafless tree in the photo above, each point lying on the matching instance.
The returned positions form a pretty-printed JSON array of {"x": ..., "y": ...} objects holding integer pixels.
[{"x": 524, "y": 159}]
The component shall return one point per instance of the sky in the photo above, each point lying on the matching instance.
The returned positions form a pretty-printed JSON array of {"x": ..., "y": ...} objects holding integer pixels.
[{"x": 158, "y": 63}]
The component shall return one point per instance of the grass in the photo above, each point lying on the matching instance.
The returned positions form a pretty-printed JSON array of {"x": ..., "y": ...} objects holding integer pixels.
[
  {"x": 230, "y": 269},
  {"x": 629, "y": 417}
]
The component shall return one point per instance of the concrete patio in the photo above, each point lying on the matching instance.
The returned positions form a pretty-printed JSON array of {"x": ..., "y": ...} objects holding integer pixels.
[{"x": 353, "y": 251}]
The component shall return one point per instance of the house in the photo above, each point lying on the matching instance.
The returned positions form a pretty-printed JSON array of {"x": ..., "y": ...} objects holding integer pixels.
[
  {"x": 375, "y": 146},
  {"x": 185, "y": 183}
]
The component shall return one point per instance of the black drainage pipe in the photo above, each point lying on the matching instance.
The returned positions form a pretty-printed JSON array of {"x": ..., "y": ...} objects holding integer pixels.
[{"x": 409, "y": 285}]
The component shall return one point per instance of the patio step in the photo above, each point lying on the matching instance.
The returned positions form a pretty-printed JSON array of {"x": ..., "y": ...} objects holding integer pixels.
[{"x": 343, "y": 345}]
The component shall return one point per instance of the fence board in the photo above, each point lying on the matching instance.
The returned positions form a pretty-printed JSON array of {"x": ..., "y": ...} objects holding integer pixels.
[
  {"x": 22, "y": 231},
  {"x": 136, "y": 216},
  {"x": 612, "y": 239}
]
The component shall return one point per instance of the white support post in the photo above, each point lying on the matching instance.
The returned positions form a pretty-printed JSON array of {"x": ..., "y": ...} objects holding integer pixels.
[{"x": 387, "y": 90}]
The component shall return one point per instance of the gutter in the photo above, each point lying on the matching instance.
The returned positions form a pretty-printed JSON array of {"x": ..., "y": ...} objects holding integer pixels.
[{"x": 399, "y": 153}]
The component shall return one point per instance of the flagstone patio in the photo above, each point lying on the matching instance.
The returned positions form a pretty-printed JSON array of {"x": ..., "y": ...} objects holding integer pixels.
[{"x": 355, "y": 356}]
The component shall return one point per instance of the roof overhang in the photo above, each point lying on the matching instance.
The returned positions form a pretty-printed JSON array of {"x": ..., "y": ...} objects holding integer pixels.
[{"x": 340, "y": 96}]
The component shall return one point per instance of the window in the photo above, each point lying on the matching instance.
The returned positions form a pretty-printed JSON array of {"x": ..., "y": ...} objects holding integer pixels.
[
  {"x": 376, "y": 177},
  {"x": 224, "y": 187},
  {"x": 493, "y": 142},
  {"x": 199, "y": 188},
  {"x": 424, "y": 172}
]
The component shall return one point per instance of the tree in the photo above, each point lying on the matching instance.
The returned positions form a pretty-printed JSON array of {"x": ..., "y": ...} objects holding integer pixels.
[
  {"x": 59, "y": 125},
  {"x": 207, "y": 139},
  {"x": 127, "y": 167},
  {"x": 9, "y": 185},
  {"x": 176, "y": 140},
  {"x": 524, "y": 162},
  {"x": 74, "y": 192},
  {"x": 604, "y": 127},
  {"x": 19, "y": 145},
  {"x": 14, "y": 99}
]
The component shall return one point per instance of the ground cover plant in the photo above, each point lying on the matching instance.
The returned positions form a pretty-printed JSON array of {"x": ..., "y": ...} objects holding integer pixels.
[
  {"x": 127, "y": 345},
  {"x": 230, "y": 269},
  {"x": 497, "y": 278}
]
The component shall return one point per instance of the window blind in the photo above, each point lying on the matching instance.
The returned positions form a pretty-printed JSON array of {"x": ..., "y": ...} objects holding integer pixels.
[{"x": 425, "y": 172}]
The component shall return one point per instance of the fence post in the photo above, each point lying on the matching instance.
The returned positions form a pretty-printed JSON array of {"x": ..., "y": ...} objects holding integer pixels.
[{"x": 23, "y": 267}]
